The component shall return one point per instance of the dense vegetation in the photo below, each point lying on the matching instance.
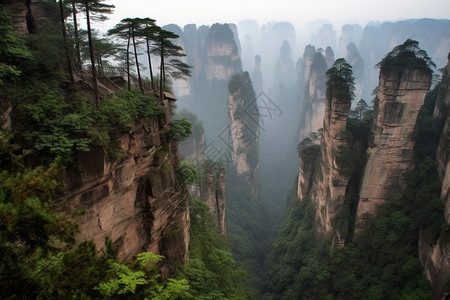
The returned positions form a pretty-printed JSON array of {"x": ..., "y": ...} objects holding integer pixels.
[
  {"x": 53, "y": 120},
  {"x": 41, "y": 260},
  {"x": 383, "y": 262},
  {"x": 40, "y": 257},
  {"x": 210, "y": 270},
  {"x": 408, "y": 55}
]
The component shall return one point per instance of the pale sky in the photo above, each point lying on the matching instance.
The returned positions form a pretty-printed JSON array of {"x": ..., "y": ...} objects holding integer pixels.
[{"x": 207, "y": 12}]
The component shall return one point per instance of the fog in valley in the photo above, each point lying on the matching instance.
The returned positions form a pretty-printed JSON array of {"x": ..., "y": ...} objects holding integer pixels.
[
  {"x": 225, "y": 150},
  {"x": 286, "y": 67}
]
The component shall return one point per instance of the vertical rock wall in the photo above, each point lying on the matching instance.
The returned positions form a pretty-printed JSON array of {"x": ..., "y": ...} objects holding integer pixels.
[
  {"x": 213, "y": 192},
  {"x": 134, "y": 200},
  {"x": 305, "y": 176},
  {"x": 211, "y": 187},
  {"x": 330, "y": 180},
  {"x": 315, "y": 67},
  {"x": 401, "y": 93},
  {"x": 244, "y": 131},
  {"x": 435, "y": 255}
]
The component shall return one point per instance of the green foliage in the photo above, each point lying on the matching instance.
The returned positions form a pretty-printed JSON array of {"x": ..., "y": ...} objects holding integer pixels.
[
  {"x": 179, "y": 130},
  {"x": 360, "y": 110},
  {"x": 141, "y": 280},
  {"x": 211, "y": 271},
  {"x": 125, "y": 281},
  {"x": 307, "y": 149},
  {"x": 382, "y": 264},
  {"x": 241, "y": 82},
  {"x": 406, "y": 55},
  {"x": 250, "y": 237},
  {"x": 28, "y": 224},
  {"x": 197, "y": 125},
  {"x": 208, "y": 168},
  {"x": 122, "y": 112},
  {"x": 186, "y": 173},
  {"x": 340, "y": 80},
  {"x": 53, "y": 123},
  {"x": 360, "y": 127},
  {"x": 13, "y": 51},
  {"x": 56, "y": 127}
]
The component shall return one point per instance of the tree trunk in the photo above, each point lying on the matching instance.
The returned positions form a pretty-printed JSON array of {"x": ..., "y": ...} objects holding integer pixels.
[
  {"x": 77, "y": 40},
  {"x": 66, "y": 49},
  {"x": 150, "y": 63},
  {"x": 136, "y": 58},
  {"x": 128, "y": 63},
  {"x": 91, "y": 52},
  {"x": 161, "y": 72}
]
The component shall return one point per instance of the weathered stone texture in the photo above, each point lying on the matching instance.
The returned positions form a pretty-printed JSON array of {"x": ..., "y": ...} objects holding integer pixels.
[
  {"x": 329, "y": 188},
  {"x": 134, "y": 201},
  {"x": 244, "y": 134},
  {"x": 400, "y": 96},
  {"x": 435, "y": 255},
  {"x": 305, "y": 177},
  {"x": 213, "y": 193},
  {"x": 222, "y": 55},
  {"x": 312, "y": 77}
]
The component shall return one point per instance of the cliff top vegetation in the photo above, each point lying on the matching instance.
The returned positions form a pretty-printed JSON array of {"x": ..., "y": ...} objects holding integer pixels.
[
  {"x": 341, "y": 82},
  {"x": 406, "y": 55}
]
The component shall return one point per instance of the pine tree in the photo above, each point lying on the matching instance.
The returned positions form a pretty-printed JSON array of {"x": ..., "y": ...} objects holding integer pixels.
[
  {"x": 149, "y": 32},
  {"x": 341, "y": 80},
  {"x": 165, "y": 48},
  {"x": 95, "y": 10},
  {"x": 63, "y": 30}
]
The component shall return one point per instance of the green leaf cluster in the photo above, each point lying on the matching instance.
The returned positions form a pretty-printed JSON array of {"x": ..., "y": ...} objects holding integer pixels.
[
  {"x": 210, "y": 269},
  {"x": 51, "y": 125},
  {"x": 13, "y": 51},
  {"x": 141, "y": 280},
  {"x": 340, "y": 80},
  {"x": 186, "y": 173},
  {"x": 179, "y": 130},
  {"x": 124, "y": 111},
  {"x": 39, "y": 259}
]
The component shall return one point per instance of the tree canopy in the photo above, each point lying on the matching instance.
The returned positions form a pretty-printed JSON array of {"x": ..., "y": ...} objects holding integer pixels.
[
  {"x": 408, "y": 55},
  {"x": 341, "y": 80}
]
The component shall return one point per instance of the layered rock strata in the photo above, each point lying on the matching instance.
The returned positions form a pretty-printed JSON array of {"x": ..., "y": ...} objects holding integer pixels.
[
  {"x": 331, "y": 178},
  {"x": 244, "y": 131},
  {"x": 435, "y": 255},
  {"x": 401, "y": 94},
  {"x": 134, "y": 200},
  {"x": 213, "y": 193},
  {"x": 314, "y": 69},
  {"x": 211, "y": 187}
]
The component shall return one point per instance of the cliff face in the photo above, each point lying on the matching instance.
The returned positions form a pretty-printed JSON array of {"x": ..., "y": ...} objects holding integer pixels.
[
  {"x": 401, "y": 93},
  {"x": 211, "y": 188},
  {"x": 244, "y": 131},
  {"x": 330, "y": 181},
  {"x": 222, "y": 55},
  {"x": 134, "y": 201},
  {"x": 284, "y": 69},
  {"x": 214, "y": 52},
  {"x": 314, "y": 96},
  {"x": 435, "y": 255},
  {"x": 305, "y": 176},
  {"x": 443, "y": 152},
  {"x": 213, "y": 192},
  {"x": 28, "y": 16}
]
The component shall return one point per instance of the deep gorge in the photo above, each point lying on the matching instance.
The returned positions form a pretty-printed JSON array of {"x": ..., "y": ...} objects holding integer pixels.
[{"x": 259, "y": 174}]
